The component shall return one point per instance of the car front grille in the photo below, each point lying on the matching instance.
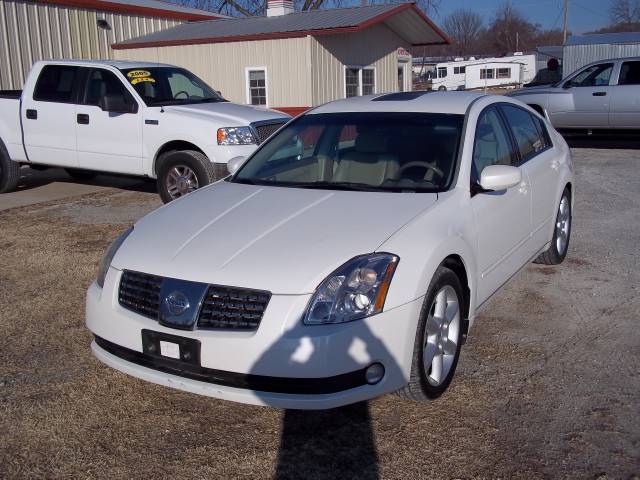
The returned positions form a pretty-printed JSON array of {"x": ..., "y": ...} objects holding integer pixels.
[
  {"x": 140, "y": 293},
  {"x": 265, "y": 130},
  {"x": 236, "y": 308},
  {"x": 228, "y": 308}
]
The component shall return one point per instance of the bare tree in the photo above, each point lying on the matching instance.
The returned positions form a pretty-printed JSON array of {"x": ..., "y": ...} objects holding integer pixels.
[
  {"x": 510, "y": 31},
  {"x": 464, "y": 27},
  {"x": 625, "y": 11}
]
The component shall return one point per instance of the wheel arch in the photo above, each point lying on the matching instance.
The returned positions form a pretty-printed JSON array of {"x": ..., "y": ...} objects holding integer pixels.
[
  {"x": 456, "y": 264},
  {"x": 173, "y": 146}
]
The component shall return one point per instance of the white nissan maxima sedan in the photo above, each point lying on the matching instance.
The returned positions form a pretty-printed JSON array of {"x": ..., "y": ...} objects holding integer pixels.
[{"x": 346, "y": 258}]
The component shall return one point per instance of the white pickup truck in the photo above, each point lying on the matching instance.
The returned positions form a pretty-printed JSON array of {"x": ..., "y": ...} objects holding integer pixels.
[{"x": 147, "y": 119}]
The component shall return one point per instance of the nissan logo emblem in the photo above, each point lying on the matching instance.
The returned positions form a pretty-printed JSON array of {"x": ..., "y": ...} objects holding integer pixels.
[{"x": 177, "y": 303}]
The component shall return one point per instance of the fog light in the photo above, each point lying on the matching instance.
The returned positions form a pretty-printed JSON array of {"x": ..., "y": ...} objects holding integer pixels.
[{"x": 374, "y": 373}]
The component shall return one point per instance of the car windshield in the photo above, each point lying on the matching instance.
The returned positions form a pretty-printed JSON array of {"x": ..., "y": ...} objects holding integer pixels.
[
  {"x": 368, "y": 151},
  {"x": 160, "y": 86}
]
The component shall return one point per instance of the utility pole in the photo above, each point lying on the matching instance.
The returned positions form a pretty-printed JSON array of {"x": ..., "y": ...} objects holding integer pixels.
[{"x": 566, "y": 21}]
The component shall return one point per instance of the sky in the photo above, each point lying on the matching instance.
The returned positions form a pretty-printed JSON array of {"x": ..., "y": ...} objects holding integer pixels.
[{"x": 584, "y": 15}]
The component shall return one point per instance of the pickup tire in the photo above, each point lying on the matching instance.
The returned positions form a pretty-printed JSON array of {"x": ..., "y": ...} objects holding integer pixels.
[
  {"x": 9, "y": 172},
  {"x": 78, "y": 174},
  {"x": 182, "y": 172}
]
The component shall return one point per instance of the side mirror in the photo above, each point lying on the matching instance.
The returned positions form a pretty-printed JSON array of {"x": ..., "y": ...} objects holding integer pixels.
[
  {"x": 116, "y": 103},
  {"x": 500, "y": 177},
  {"x": 235, "y": 163}
]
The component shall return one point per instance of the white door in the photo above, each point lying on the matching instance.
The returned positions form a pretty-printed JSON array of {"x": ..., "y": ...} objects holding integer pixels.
[
  {"x": 503, "y": 219},
  {"x": 625, "y": 97},
  {"x": 49, "y": 117},
  {"x": 538, "y": 161},
  {"x": 588, "y": 105},
  {"x": 108, "y": 141}
]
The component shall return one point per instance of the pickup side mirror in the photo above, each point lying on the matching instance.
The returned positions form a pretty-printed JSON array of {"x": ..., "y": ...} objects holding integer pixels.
[
  {"x": 117, "y": 103},
  {"x": 500, "y": 177},
  {"x": 235, "y": 163}
]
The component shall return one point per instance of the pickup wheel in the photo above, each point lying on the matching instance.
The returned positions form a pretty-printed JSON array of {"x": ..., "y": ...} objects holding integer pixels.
[
  {"x": 182, "y": 172},
  {"x": 78, "y": 174},
  {"x": 9, "y": 172},
  {"x": 438, "y": 338},
  {"x": 556, "y": 252}
]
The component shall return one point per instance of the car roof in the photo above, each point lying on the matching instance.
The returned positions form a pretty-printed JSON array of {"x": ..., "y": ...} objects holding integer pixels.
[
  {"x": 419, "y": 101},
  {"x": 121, "y": 64}
]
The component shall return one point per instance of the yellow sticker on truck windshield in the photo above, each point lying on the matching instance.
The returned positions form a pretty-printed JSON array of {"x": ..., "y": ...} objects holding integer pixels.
[
  {"x": 138, "y": 74},
  {"x": 135, "y": 81}
]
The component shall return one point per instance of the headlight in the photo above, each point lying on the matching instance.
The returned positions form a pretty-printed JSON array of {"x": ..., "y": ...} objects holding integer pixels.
[
  {"x": 108, "y": 256},
  {"x": 235, "y": 136},
  {"x": 356, "y": 290}
]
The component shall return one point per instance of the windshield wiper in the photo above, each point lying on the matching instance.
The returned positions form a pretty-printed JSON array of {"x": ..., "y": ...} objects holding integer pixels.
[{"x": 353, "y": 186}]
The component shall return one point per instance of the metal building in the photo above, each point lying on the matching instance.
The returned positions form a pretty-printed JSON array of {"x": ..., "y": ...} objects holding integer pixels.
[
  {"x": 293, "y": 61},
  {"x": 583, "y": 49},
  {"x": 45, "y": 29}
]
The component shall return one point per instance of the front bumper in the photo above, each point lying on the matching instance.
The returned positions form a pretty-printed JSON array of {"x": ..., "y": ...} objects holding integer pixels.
[
  {"x": 283, "y": 364},
  {"x": 224, "y": 153}
]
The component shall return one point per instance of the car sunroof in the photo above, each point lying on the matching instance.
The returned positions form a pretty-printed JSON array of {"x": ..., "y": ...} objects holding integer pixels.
[{"x": 399, "y": 96}]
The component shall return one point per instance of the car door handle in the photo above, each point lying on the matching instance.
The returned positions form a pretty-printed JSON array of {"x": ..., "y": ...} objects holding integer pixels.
[
  {"x": 599, "y": 94},
  {"x": 32, "y": 114},
  {"x": 83, "y": 118}
]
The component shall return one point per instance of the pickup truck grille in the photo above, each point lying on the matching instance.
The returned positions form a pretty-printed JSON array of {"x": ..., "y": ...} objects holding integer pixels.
[
  {"x": 228, "y": 308},
  {"x": 265, "y": 130},
  {"x": 236, "y": 308}
]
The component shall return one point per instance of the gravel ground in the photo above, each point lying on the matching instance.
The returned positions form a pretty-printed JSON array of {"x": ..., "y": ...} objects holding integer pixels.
[{"x": 547, "y": 385}]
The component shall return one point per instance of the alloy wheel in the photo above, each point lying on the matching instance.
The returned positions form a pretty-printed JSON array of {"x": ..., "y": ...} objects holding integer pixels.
[
  {"x": 441, "y": 335},
  {"x": 563, "y": 224},
  {"x": 181, "y": 180}
]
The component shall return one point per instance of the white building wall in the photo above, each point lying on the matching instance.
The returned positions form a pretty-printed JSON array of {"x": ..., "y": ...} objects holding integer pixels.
[{"x": 32, "y": 31}]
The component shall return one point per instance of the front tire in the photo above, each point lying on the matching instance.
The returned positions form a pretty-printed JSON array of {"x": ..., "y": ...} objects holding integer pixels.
[
  {"x": 557, "y": 251},
  {"x": 183, "y": 172},
  {"x": 9, "y": 172},
  {"x": 438, "y": 338}
]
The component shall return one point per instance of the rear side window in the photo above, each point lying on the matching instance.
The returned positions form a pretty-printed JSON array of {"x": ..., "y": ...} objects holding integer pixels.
[
  {"x": 56, "y": 84},
  {"x": 526, "y": 133},
  {"x": 101, "y": 83},
  {"x": 630, "y": 73},
  {"x": 491, "y": 145}
]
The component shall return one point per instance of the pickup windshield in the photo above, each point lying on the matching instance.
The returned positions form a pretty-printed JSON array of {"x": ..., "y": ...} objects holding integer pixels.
[
  {"x": 365, "y": 151},
  {"x": 160, "y": 86}
]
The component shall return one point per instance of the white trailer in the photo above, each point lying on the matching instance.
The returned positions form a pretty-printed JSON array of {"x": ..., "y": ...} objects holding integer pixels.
[{"x": 486, "y": 72}]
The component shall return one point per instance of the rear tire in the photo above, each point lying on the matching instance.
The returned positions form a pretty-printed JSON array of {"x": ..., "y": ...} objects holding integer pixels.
[
  {"x": 9, "y": 172},
  {"x": 439, "y": 334},
  {"x": 442, "y": 88},
  {"x": 557, "y": 251},
  {"x": 79, "y": 174},
  {"x": 182, "y": 172}
]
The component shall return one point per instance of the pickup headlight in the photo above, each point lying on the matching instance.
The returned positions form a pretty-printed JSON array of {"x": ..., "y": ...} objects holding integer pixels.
[
  {"x": 236, "y": 136},
  {"x": 356, "y": 290},
  {"x": 108, "y": 256}
]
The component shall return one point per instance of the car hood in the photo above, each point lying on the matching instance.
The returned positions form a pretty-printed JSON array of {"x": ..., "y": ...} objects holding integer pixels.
[
  {"x": 535, "y": 90},
  {"x": 284, "y": 240},
  {"x": 231, "y": 114}
]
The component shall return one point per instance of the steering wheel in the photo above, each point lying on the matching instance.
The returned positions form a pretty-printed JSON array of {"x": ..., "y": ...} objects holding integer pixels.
[
  {"x": 182, "y": 91},
  {"x": 418, "y": 163}
]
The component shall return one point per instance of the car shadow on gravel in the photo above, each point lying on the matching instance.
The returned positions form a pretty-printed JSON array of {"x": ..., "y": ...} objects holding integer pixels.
[
  {"x": 624, "y": 142},
  {"x": 337, "y": 442},
  {"x": 31, "y": 178}
]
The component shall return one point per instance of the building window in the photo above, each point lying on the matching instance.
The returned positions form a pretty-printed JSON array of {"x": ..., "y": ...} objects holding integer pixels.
[
  {"x": 257, "y": 86},
  {"x": 459, "y": 70},
  {"x": 359, "y": 81},
  {"x": 486, "y": 73},
  {"x": 442, "y": 72},
  {"x": 504, "y": 72}
]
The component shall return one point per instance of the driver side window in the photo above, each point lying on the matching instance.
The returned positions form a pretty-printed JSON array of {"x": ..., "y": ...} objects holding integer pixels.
[
  {"x": 594, "y": 76},
  {"x": 183, "y": 88},
  {"x": 491, "y": 145}
]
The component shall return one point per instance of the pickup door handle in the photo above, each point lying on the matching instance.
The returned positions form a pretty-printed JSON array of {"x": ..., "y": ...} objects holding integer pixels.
[
  {"x": 599, "y": 94},
  {"x": 83, "y": 118},
  {"x": 32, "y": 114}
]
